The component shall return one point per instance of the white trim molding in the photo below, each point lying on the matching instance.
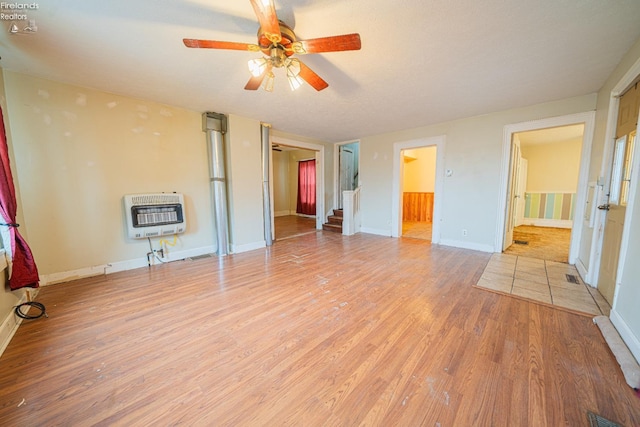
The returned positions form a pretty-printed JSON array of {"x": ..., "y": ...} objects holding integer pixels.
[
  {"x": 588, "y": 119},
  {"x": 396, "y": 194},
  {"x": 10, "y": 325},
  {"x": 626, "y": 334},
  {"x": 544, "y": 222},
  {"x": 319, "y": 149},
  {"x": 114, "y": 267},
  {"x": 467, "y": 245},
  {"x": 336, "y": 168}
]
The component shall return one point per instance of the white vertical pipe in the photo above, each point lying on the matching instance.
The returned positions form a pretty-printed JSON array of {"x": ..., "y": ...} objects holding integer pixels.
[
  {"x": 215, "y": 126},
  {"x": 266, "y": 197}
]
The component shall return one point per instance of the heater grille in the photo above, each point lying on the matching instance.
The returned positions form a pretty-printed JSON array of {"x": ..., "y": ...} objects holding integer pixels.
[
  {"x": 150, "y": 215},
  {"x": 145, "y": 216},
  {"x": 155, "y": 199}
]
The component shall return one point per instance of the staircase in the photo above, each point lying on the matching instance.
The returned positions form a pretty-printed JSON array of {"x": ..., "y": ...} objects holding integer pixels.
[{"x": 334, "y": 222}]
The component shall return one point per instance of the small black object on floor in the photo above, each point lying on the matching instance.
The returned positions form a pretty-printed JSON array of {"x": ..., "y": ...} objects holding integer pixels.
[{"x": 29, "y": 304}]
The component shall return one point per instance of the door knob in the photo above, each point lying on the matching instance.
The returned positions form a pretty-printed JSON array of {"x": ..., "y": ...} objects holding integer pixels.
[{"x": 604, "y": 207}]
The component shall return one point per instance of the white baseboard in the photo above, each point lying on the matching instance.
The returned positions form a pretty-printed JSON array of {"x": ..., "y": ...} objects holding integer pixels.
[
  {"x": 236, "y": 249},
  {"x": 583, "y": 272},
  {"x": 282, "y": 213},
  {"x": 10, "y": 325},
  {"x": 626, "y": 334},
  {"x": 543, "y": 222},
  {"x": 66, "y": 276},
  {"x": 376, "y": 231},
  {"x": 113, "y": 267},
  {"x": 467, "y": 245}
]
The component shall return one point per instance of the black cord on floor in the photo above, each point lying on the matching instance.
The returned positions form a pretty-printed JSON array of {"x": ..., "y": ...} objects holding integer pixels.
[{"x": 35, "y": 304}]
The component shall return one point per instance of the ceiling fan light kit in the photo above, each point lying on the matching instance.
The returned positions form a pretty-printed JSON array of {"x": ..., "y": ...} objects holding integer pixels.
[{"x": 278, "y": 43}]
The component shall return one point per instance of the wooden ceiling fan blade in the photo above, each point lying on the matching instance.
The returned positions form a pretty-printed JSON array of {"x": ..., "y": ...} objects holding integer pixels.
[
  {"x": 328, "y": 44},
  {"x": 214, "y": 44},
  {"x": 266, "y": 13},
  {"x": 309, "y": 76},
  {"x": 255, "y": 81}
]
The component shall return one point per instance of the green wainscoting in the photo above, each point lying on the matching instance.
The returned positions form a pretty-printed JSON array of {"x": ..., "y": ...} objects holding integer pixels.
[{"x": 549, "y": 205}]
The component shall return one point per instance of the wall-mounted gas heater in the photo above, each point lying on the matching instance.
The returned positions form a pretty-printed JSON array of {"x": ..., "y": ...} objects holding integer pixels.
[{"x": 156, "y": 214}]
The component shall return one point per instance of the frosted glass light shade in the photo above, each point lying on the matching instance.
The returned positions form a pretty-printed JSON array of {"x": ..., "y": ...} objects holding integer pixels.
[
  {"x": 257, "y": 66},
  {"x": 268, "y": 82}
]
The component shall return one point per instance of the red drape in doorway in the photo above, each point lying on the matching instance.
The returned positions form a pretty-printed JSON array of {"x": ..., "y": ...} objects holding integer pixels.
[
  {"x": 23, "y": 272},
  {"x": 306, "y": 187}
]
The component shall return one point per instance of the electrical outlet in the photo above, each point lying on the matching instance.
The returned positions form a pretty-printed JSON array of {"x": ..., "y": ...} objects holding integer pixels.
[{"x": 464, "y": 232}]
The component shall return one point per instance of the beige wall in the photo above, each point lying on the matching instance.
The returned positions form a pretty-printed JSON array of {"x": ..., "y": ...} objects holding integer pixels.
[
  {"x": 419, "y": 170},
  {"x": 245, "y": 184},
  {"x": 553, "y": 167},
  {"x": 280, "y": 168},
  {"x": 78, "y": 151},
  {"x": 473, "y": 153}
]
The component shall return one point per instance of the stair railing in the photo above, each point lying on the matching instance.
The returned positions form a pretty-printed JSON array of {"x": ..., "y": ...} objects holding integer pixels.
[{"x": 351, "y": 212}]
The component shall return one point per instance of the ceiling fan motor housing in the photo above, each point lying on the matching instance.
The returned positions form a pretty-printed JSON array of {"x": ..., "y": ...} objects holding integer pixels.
[{"x": 268, "y": 47}]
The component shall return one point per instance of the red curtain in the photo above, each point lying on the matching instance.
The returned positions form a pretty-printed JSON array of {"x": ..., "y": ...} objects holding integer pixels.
[
  {"x": 306, "y": 187},
  {"x": 23, "y": 272}
]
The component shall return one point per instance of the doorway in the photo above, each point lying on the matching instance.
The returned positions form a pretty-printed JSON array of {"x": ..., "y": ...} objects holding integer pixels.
[
  {"x": 404, "y": 154},
  {"x": 545, "y": 165},
  {"x": 290, "y": 213},
  {"x": 507, "y": 208},
  {"x": 418, "y": 190},
  {"x": 348, "y": 161}
]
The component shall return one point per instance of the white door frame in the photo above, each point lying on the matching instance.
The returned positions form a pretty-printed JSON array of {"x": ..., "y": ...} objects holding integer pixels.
[
  {"x": 336, "y": 169},
  {"x": 588, "y": 118},
  {"x": 319, "y": 150},
  {"x": 396, "y": 192},
  {"x": 603, "y": 183}
]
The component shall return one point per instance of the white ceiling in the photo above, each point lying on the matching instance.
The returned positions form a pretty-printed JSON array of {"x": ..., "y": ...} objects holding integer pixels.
[
  {"x": 422, "y": 61},
  {"x": 551, "y": 135}
]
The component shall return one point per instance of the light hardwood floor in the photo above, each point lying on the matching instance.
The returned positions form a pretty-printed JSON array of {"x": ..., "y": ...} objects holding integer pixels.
[
  {"x": 292, "y": 226},
  {"x": 317, "y": 330},
  {"x": 417, "y": 229}
]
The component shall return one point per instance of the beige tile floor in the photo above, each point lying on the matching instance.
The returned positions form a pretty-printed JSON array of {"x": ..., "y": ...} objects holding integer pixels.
[{"x": 542, "y": 281}]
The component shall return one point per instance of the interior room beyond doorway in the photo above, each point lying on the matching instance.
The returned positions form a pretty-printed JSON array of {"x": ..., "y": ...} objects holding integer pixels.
[
  {"x": 545, "y": 176},
  {"x": 418, "y": 192},
  {"x": 292, "y": 216}
]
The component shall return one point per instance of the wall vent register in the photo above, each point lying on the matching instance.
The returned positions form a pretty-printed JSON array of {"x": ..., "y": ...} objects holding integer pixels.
[{"x": 155, "y": 214}]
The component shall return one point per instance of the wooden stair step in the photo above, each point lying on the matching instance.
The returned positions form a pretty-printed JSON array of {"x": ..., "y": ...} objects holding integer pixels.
[
  {"x": 335, "y": 228},
  {"x": 333, "y": 219}
]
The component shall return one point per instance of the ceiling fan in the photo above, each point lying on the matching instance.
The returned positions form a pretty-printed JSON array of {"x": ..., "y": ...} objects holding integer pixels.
[{"x": 278, "y": 43}]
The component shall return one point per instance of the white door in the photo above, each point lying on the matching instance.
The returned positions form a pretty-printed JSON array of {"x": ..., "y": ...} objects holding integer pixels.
[
  {"x": 521, "y": 190},
  {"x": 512, "y": 193},
  {"x": 619, "y": 188},
  {"x": 346, "y": 172}
]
